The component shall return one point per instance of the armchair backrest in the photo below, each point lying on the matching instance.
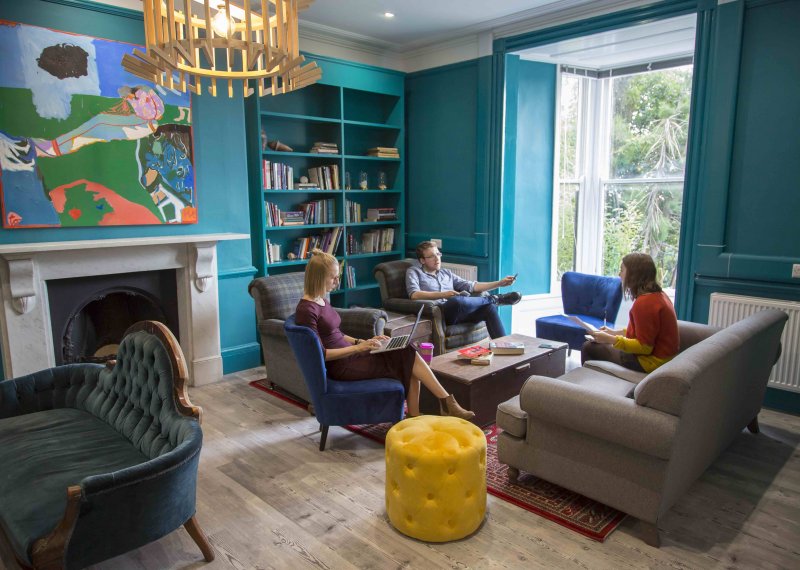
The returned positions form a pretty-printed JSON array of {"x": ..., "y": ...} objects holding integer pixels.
[
  {"x": 277, "y": 296},
  {"x": 308, "y": 352},
  {"x": 593, "y": 295},
  {"x": 391, "y": 277}
]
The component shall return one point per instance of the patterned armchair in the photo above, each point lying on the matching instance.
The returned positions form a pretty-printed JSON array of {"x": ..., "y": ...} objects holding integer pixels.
[
  {"x": 391, "y": 276},
  {"x": 276, "y": 298}
]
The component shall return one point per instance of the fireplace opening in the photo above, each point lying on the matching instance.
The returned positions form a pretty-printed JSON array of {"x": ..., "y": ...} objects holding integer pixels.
[{"x": 89, "y": 315}]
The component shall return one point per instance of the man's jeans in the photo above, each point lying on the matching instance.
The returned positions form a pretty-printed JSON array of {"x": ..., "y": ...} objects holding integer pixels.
[{"x": 473, "y": 310}]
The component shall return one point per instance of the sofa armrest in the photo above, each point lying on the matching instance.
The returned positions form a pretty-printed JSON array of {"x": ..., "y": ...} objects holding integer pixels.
[
  {"x": 604, "y": 416},
  {"x": 59, "y": 387},
  {"x": 362, "y": 323},
  {"x": 271, "y": 327},
  {"x": 412, "y": 306}
]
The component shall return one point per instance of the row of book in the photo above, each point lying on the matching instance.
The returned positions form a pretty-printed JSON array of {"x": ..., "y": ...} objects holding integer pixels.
[
  {"x": 384, "y": 152},
  {"x": 316, "y": 212},
  {"x": 348, "y": 278},
  {"x": 327, "y": 241},
  {"x": 373, "y": 241},
  {"x": 324, "y": 177},
  {"x": 353, "y": 213},
  {"x": 273, "y": 252},
  {"x": 277, "y": 176}
]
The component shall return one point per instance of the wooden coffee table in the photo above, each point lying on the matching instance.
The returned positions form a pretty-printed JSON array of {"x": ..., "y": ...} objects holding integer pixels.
[{"x": 482, "y": 388}]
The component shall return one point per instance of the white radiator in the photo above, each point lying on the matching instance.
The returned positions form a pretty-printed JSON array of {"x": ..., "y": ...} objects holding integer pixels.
[
  {"x": 727, "y": 309},
  {"x": 468, "y": 272}
]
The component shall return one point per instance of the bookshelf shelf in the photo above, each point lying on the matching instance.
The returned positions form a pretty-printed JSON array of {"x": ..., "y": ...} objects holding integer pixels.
[
  {"x": 383, "y": 223},
  {"x": 357, "y": 108},
  {"x": 301, "y": 227},
  {"x": 299, "y": 117}
]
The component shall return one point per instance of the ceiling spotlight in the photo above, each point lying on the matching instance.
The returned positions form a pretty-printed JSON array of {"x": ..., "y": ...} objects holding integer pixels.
[{"x": 388, "y": 15}]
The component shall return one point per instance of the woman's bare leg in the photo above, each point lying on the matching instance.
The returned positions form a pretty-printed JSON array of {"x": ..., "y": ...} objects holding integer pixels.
[
  {"x": 424, "y": 374},
  {"x": 412, "y": 398}
]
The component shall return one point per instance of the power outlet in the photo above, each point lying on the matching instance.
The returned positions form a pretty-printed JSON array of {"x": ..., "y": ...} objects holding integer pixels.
[
  {"x": 438, "y": 243},
  {"x": 796, "y": 271}
]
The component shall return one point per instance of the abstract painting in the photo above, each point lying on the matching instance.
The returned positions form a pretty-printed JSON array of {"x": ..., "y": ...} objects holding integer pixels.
[{"x": 85, "y": 143}]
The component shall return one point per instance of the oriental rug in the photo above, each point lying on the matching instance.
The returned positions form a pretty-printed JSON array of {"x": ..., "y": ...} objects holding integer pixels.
[{"x": 578, "y": 513}]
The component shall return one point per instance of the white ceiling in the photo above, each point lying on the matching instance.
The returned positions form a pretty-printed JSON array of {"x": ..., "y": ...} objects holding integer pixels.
[
  {"x": 655, "y": 41},
  {"x": 416, "y": 22}
]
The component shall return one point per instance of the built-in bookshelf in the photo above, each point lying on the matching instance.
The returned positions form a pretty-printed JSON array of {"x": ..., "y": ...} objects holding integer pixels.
[{"x": 334, "y": 129}]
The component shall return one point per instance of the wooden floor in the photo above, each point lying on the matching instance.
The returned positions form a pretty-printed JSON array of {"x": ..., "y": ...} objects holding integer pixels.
[{"x": 267, "y": 498}]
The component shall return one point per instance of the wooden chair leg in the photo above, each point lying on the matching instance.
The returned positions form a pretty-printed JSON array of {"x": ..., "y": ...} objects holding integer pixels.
[
  {"x": 324, "y": 437},
  {"x": 649, "y": 534},
  {"x": 199, "y": 538},
  {"x": 753, "y": 426}
]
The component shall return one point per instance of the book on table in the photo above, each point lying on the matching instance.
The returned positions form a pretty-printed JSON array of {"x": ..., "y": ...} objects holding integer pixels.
[
  {"x": 483, "y": 360},
  {"x": 471, "y": 352},
  {"x": 507, "y": 347},
  {"x": 580, "y": 322}
]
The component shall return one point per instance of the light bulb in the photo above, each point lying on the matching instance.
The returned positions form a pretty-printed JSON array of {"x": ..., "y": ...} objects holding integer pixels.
[{"x": 222, "y": 26}]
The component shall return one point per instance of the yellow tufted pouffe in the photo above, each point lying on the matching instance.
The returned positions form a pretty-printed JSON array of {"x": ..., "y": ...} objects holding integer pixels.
[{"x": 435, "y": 477}]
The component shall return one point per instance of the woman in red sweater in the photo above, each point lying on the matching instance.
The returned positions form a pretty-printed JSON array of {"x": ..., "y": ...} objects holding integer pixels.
[
  {"x": 348, "y": 358},
  {"x": 651, "y": 338}
]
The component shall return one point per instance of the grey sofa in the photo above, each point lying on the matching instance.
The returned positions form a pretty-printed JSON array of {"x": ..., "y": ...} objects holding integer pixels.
[
  {"x": 636, "y": 442},
  {"x": 98, "y": 460},
  {"x": 276, "y": 298}
]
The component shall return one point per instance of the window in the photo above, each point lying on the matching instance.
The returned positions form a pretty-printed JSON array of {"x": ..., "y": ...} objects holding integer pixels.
[{"x": 622, "y": 153}]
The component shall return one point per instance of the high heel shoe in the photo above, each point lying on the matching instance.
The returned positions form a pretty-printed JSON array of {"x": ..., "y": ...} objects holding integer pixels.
[{"x": 449, "y": 407}]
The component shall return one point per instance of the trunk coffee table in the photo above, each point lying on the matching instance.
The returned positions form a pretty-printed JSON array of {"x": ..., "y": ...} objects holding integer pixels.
[{"x": 482, "y": 388}]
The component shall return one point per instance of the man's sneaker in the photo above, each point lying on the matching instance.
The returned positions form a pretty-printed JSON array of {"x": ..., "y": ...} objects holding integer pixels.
[{"x": 506, "y": 298}]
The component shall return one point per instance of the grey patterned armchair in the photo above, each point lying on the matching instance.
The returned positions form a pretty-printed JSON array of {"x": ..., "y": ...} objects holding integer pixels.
[
  {"x": 276, "y": 298},
  {"x": 391, "y": 277}
]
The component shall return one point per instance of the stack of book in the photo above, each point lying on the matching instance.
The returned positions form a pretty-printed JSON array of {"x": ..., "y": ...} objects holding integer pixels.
[
  {"x": 273, "y": 252},
  {"x": 384, "y": 152},
  {"x": 477, "y": 355},
  {"x": 324, "y": 177},
  {"x": 295, "y": 218},
  {"x": 325, "y": 148},
  {"x": 277, "y": 176},
  {"x": 507, "y": 347},
  {"x": 381, "y": 214}
]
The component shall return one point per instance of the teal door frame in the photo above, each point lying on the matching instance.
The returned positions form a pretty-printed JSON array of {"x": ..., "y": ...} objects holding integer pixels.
[{"x": 704, "y": 42}]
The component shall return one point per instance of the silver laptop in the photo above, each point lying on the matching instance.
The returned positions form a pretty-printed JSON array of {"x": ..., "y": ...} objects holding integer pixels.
[{"x": 399, "y": 342}]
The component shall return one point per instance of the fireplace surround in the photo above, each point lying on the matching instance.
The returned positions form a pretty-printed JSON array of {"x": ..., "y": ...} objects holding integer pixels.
[{"x": 25, "y": 327}]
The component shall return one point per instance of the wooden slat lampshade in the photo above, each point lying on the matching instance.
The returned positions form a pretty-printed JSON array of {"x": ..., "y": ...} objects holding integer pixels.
[{"x": 185, "y": 39}]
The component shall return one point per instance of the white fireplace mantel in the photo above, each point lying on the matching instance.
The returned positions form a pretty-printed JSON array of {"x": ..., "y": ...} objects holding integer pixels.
[{"x": 26, "y": 333}]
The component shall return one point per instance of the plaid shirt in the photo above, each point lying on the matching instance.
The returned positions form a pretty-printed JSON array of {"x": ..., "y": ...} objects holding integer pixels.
[{"x": 417, "y": 279}]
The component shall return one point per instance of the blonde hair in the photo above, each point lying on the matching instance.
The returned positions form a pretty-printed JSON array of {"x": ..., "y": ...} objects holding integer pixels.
[{"x": 319, "y": 265}]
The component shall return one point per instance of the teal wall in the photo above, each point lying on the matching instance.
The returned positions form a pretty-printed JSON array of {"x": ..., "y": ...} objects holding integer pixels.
[{"x": 220, "y": 164}]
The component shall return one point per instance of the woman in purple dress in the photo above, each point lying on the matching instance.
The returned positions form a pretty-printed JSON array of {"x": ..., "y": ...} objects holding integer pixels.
[{"x": 348, "y": 358}]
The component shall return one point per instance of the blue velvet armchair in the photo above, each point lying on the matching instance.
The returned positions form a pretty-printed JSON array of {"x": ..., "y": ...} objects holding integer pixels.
[
  {"x": 99, "y": 460},
  {"x": 339, "y": 403},
  {"x": 593, "y": 298}
]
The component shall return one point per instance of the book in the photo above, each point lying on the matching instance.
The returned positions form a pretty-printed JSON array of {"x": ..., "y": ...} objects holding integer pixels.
[
  {"x": 507, "y": 347},
  {"x": 483, "y": 360},
  {"x": 578, "y": 321},
  {"x": 471, "y": 352}
]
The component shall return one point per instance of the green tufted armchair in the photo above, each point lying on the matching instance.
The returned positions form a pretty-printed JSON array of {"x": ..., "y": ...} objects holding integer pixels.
[{"x": 99, "y": 460}]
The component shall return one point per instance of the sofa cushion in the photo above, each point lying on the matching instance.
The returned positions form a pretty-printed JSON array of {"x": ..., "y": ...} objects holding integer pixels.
[
  {"x": 614, "y": 369},
  {"x": 42, "y": 454},
  {"x": 598, "y": 382},
  {"x": 511, "y": 418}
]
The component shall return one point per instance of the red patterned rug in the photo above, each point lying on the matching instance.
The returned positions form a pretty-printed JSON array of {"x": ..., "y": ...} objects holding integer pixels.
[{"x": 571, "y": 510}]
